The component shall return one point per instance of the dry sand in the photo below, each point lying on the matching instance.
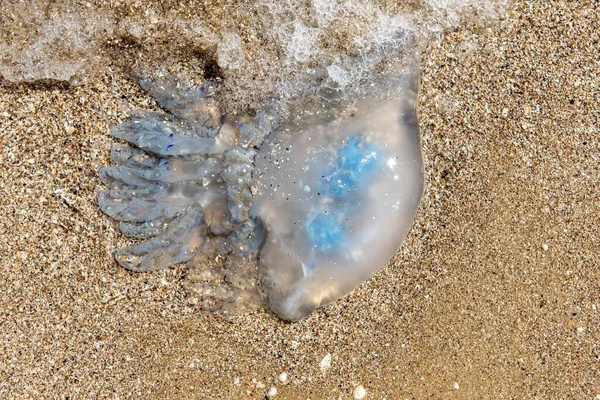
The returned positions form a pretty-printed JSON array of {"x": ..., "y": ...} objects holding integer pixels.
[{"x": 495, "y": 293}]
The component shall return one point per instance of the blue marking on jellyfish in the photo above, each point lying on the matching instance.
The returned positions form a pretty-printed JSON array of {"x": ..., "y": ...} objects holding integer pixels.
[
  {"x": 165, "y": 164},
  {"x": 325, "y": 232},
  {"x": 355, "y": 163}
]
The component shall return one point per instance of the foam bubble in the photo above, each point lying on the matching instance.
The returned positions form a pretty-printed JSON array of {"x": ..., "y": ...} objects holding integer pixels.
[
  {"x": 338, "y": 74},
  {"x": 302, "y": 42},
  {"x": 230, "y": 52}
]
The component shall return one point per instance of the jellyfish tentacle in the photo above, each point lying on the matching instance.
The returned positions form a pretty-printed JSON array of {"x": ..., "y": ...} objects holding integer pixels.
[
  {"x": 145, "y": 230},
  {"x": 183, "y": 175},
  {"x": 136, "y": 209},
  {"x": 124, "y": 154},
  {"x": 164, "y": 140},
  {"x": 164, "y": 171},
  {"x": 196, "y": 106},
  {"x": 239, "y": 179},
  {"x": 179, "y": 243}
]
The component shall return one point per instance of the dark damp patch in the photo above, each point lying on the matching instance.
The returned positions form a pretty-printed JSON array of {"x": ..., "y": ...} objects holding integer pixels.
[
  {"x": 212, "y": 71},
  {"x": 35, "y": 84},
  {"x": 127, "y": 40}
]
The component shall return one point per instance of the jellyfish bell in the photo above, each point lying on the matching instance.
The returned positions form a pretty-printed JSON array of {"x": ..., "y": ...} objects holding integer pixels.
[{"x": 337, "y": 194}]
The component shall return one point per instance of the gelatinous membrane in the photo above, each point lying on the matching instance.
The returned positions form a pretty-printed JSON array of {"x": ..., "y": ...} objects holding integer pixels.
[
  {"x": 339, "y": 193},
  {"x": 300, "y": 215}
]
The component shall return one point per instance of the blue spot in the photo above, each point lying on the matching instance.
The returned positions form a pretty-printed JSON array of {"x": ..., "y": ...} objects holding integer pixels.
[
  {"x": 354, "y": 164},
  {"x": 169, "y": 147},
  {"x": 325, "y": 232},
  {"x": 172, "y": 135},
  {"x": 350, "y": 154},
  {"x": 164, "y": 164}
]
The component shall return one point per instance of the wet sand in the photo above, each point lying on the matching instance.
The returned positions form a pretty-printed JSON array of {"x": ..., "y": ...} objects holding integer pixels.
[{"x": 494, "y": 294}]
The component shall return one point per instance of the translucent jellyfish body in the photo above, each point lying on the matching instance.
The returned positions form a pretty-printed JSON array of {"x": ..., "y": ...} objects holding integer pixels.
[{"x": 320, "y": 201}]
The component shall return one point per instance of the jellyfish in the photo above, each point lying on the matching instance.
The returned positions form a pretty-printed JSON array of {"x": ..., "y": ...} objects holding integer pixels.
[{"x": 319, "y": 200}]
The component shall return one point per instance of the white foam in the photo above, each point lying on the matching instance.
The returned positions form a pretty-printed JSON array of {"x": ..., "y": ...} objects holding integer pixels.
[
  {"x": 230, "y": 52},
  {"x": 301, "y": 44},
  {"x": 271, "y": 48}
]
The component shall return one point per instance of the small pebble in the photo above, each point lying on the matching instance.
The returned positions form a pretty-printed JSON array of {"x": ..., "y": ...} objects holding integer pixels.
[
  {"x": 272, "y": 392},
  {"x": 325, "y": 363},
  {"x": 260, "y": 385},
  {"x": 282, "y": 377},
  {"x": 359, "y": 392},
  {"x": 455, "y": 386},
  {"x": 545, "y": 247}
]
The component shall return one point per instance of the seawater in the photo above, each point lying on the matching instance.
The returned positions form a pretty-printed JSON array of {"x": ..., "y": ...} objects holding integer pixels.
[{"x": 257, "y": 49}]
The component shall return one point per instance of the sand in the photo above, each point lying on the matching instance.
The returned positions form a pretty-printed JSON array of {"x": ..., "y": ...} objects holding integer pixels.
[{"x": 494, "y": 294}]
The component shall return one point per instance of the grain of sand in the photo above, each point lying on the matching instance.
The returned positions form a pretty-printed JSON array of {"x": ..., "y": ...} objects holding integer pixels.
[{"x": 494, "y": 294}]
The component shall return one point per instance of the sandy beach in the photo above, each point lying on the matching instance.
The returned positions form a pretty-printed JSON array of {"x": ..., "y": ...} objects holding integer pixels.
[{"x": 494, "y": 294}]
